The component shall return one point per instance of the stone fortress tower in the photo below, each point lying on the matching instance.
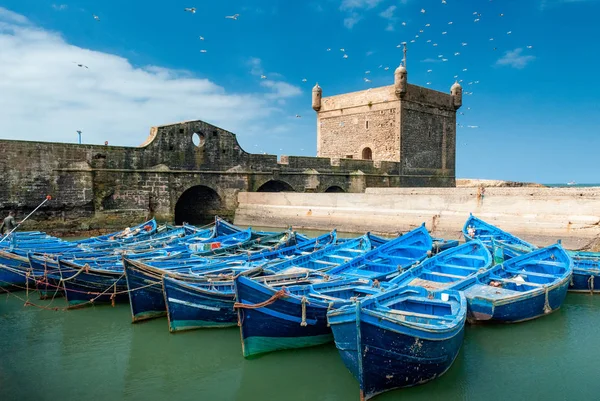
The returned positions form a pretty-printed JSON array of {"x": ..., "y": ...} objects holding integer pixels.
[{"x": 404, "y": 123}]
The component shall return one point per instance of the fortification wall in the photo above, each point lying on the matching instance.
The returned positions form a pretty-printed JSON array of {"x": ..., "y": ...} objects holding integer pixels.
[{"x": 540, "y": 215}]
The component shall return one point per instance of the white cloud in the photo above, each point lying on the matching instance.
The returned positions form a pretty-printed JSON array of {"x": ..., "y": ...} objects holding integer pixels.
[
  {"x": 353, "y": 4},
  {"x": 515, "y": 59},
  {"x": 431, "y": 60},
  {"x": 352, "y": 20},
  {"x": 280, "y": 89},
  {"x": 350, "y": 6},
  {"x": 46, "y": 96},
  {"x": 256, "y": 66},
  {"x": 388, "y": 13}
]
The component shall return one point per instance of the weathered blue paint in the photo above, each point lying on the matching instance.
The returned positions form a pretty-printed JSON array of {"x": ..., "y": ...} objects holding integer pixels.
[
  {"x": 390, "y": 259},
  {"x": 86, "y": 286},
  {"x": 586, "y": 272},
  {"x": 522, "y": 288},
  {"x": 448, "y": 268},
  {"x": 501, "y": 244},
  {"x": 198, "y": 304},
  {"x": 399, "y": 338}
]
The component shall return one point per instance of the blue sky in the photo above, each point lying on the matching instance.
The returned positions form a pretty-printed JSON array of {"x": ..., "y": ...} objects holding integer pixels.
[{"x": 535, "y": 99}]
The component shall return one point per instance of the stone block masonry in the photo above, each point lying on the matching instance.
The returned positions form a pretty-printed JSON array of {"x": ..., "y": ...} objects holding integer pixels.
[{"x": 168, "y": 177}]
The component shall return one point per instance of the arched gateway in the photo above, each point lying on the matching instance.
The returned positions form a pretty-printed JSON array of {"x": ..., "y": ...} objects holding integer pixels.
[{"x": 198, "y": 205}]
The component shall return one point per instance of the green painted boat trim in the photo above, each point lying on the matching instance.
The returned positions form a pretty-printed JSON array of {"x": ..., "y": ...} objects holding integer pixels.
[
  {"x": 260, "y": 345},
  {"x": 148, "y": 315},
  {"x": 183, "y": 325}
]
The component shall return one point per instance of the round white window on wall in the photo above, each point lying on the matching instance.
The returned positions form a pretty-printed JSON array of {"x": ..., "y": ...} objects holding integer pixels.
[{"x": 198, "y": 139}]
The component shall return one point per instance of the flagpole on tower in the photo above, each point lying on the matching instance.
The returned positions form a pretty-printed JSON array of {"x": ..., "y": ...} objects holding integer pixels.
[{"x": 404, "y": 51}]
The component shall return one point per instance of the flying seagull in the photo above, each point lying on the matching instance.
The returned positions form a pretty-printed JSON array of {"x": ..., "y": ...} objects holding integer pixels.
[
  {"x": 234, "y": 16},
  {"x": 345, "y": 56},
  {"x": 263, "y": 77},
  {"x": 201, "y": 37},
  {"x": 303, "y": 79},
  {"x": 96, "y": 17},
  {"x": 298, "y": 116},
  {"x": 190, "y": 10},
  {"x": 202, "y": 51},
  {"x": 80, "y": 65}
]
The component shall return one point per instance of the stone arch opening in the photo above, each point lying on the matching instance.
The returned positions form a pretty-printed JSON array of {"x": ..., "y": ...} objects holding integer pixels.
[
  {"x": 198, "y": 139},
  {"x": 198, "y": 205},
  {"x": 275, "y": 186},
  {"x": 367, "y": 154},
  {"x": 335, "y": 189}
]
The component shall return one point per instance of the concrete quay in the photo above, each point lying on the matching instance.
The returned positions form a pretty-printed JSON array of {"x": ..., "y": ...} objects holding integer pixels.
[{"x": 539, "y": 215}]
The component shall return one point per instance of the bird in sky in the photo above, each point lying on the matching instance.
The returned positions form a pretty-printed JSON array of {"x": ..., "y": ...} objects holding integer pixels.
[
  {"x": 509, "y": 32},
  {"x": 530, "y": 47},
  {"x": 403, "y": 23},
  {"x": 96, "y": 17},
  {"x": 298, "y": 116},
  {"x": 444, "y": 2},
  {"x": 450, "y": 23},
  {"x": 367, "y": 72},
  {"x": 342, "y": 50},
  {"x": 203, "y": 51},
  {"x": 190, "y": 10},
  {"x": 464, "y": 43},
  {"x": 201, "y": 37},
  {"x": 80, "y": 65},
  {"x": 386, "y": 68},
  {"x": 428, "y": 83},
  {"x": 443, "y": 33},
  {"x": 304, "y": 79},
  {"x": 429, "y": 70},
  {"x": 367, "y": 80},
  {"x": 345, "y": 56},
  {"x": 328, "y": 49},
  {"x": 422, "y": 11},
  {"x": 263, "y": 77},
  {"x": 427, "y": 25},
  {"x": 233, "y": 17}
]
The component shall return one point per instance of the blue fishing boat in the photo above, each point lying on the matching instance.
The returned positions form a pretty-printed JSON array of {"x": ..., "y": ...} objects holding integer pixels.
[
  {"x": 390, "y": 259},
  {"x": 274, "y": 318},
  {"x": 522, "y": 288},
  {"x": 447, "y": 268},
  {"x": 399, "y": 338},
  {"x": 503, "y": 245},
  {"x": 586, "y": 272},
  {"x": 191, "y": 301},
  {"x": 144, "y": 278}
]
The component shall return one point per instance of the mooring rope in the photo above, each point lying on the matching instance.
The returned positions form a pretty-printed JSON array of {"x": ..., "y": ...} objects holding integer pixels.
[
  {"x": 279, "y": 294},
  {"x": 329, "y": 307},
  {"x": 304, "y": 302},
  {"x": 547, "y": 308},
  {"x": 591, "y": 284}
]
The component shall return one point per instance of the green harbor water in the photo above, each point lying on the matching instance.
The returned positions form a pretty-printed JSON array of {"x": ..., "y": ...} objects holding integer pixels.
[{"x": 97, "y": 354}]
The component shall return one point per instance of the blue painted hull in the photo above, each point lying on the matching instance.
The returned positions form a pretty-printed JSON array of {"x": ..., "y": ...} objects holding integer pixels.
[
  {"x": 93, "y": 287},
  {"x": 13, "y": 278},
  {"x": 189, "y": 307},
  {"x": 514, "y": 310},
  {"x": 278, "y": 326},
  {"x": 393, "y": 360},
  {"x": 145, "y": 294},
  {"x": 582, "y": 282},
  {"x": 393, "y": 356},
  {"x": 45, "y": 284}
]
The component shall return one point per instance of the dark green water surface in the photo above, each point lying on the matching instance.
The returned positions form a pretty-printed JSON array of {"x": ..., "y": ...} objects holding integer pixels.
[{"x": 97, "y": 354}]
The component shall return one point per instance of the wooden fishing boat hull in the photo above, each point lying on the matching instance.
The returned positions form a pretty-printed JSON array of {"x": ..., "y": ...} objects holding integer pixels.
[
  {"x": 46, "y": 271},
  {"x": 384, "y": 354},
  {"x": 279, "y": 325},
  {"x": 586, "y": 275},
  {"x": 517, "y": 309},
  {"x": 190, "y": 307},
  {"x": 145, "y": 292},
  {"x": 15, "y": 272},
  {"x": 86, "y": 287}
]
